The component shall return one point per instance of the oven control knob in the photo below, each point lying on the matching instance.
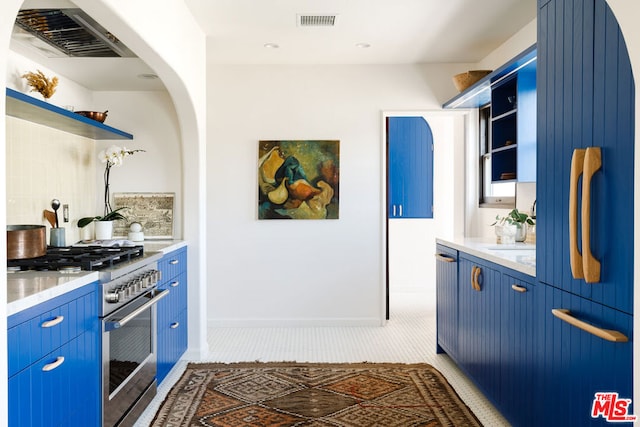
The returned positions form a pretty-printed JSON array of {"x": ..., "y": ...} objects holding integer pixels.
[
  {"x": 146, "y": 281},
  {"x": 122, "y": 293},
  {"x": 111, "y": 297}
]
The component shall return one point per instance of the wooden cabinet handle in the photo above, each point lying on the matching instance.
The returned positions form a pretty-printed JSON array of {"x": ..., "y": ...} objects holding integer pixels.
[
  {"x": 476, "y": 281},
  {"x": 605, "y": 334},
  {"x": 52, "y": 322},
  {"x": 174, "y": 284},
  {"x": 445, "y": 258},
  {"x": 174, "y": 262},
  {"x": 475, "y": 274},
  {"x": 575, "y": 258},
  {"x": 590, "y": 265},
  {"x": 174, "y": 325},
  {"x": 53, "y": 365},
  {"x": 517, "y": 288}
]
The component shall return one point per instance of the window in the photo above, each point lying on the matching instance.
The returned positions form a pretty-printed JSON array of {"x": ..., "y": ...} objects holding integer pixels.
[{"x": 502, "y": 194}]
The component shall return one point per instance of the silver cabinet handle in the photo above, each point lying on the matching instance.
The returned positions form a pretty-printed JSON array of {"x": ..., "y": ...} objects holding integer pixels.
[
  {"x": 174, "y": 262},
  {"x": 53, "y": 365},
  {"x": 394, "y": 210},
  {"x": 174, "y": 284},
  {"x": 400, "y": 206},
  {"x": 174, "y": 325},
  {"x": 52, "y": 322}
]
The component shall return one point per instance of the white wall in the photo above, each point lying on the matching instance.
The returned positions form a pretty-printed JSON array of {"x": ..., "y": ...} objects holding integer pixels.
[{"x": 303, "y": 272}]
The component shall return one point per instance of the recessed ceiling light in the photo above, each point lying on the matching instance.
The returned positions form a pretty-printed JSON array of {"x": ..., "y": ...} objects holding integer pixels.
[
  {"x": 271, "y": 45},
  {"x": 148, "y": 76},
  {"x": 363, "y": 45}
]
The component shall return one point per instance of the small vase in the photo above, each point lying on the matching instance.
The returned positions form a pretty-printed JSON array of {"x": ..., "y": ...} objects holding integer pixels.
[
  {"x": 521, "y": 233},
  {"x": 104, "y": 230}
]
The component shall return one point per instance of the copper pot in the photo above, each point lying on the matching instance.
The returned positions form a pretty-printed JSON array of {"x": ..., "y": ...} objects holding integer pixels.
[{"x": 26, "y": 241}]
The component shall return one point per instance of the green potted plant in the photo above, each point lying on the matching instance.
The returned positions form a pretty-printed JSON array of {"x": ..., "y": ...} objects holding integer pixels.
[
  {"x": 513, "y": 224},
  {"x": 112, "y": 156}
]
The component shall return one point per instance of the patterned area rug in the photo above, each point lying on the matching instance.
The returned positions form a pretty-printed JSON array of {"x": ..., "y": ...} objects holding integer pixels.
[{"x": 319, "y": 395}]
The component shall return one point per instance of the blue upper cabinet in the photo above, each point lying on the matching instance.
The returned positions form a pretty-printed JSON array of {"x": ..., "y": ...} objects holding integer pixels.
[
  {"x": 511, "y": 91},
  {"x": 585, "y": 101},
  {"x": 410, "y": 163}
]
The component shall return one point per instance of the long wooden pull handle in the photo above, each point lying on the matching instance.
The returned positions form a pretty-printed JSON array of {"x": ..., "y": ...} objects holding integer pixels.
[
  {"x": 575, "y": 258},
  {"x": 590, "y": 265},
  {"x": 473, "y": 277},
  {"x": 605, "y": 334},
  {"x": 445, "y": 258},
  {"x": 517, "y": 288}
]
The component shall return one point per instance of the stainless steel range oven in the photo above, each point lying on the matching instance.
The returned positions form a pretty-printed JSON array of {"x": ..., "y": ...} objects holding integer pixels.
[{"x": 128, "y": 318}]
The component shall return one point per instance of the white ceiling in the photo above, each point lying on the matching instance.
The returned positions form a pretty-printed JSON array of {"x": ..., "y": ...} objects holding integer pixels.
[{"x": 398, "y": 32}]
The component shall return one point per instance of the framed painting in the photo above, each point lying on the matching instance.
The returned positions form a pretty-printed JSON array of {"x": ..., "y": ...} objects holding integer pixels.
[
  {"x": 298, "y": 179},
  {"x": 154, "y": 211}
]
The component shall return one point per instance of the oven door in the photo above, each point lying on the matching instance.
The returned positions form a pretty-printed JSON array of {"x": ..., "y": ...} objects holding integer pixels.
[{"x": 128, "y": 355}]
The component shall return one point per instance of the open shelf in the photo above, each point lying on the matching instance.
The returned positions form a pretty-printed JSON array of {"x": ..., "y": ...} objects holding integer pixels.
[
  {"x": 34, "y": 110},
  {"x": 479, "y": 93}
]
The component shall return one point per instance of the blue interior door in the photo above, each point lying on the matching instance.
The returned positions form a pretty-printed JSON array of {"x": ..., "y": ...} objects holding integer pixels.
[{"x": 410, "y": 162}]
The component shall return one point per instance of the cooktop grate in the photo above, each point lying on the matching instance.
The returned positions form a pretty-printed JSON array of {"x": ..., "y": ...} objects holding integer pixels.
[{"x": 86, "y": 257}]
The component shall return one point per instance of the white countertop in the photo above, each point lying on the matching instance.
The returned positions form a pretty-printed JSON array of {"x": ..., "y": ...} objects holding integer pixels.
[
  {"x": 519, "y": 256},
  {"x": 29, "y": 288}
]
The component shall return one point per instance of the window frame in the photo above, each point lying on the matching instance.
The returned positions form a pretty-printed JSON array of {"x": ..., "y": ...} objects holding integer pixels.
[{"x": 484, "y": 157}]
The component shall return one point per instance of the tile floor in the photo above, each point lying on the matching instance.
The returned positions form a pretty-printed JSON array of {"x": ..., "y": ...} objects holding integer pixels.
[{"x": 409, "y": 337}]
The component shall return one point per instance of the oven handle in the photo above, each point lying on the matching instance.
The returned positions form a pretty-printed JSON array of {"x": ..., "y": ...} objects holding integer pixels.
[{"x": 109, "y": 325}]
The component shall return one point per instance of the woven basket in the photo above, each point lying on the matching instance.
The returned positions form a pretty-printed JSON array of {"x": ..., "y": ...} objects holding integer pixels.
[{"x": 468, "y": 78}]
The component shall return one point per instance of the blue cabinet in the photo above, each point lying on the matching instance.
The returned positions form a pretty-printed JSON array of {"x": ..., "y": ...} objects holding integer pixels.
[
  {"x": 585, "y": 99},
  {"x": 54, "y": 362},
  {"x": 585, "y": 173},
  {"x": 513, "y": 131},
  {"x": 520, "y": 334},
  {"x": 497, "y": 342},
  {"x": 479, "y": 323},
  {"x": 172, "y": 311},
  {"x": 576, "y": 364},
  {"x": 447, "y": 295},
  {"x": 410, "y": 163}
]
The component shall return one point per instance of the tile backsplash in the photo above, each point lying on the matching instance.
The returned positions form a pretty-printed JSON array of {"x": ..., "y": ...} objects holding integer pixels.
[{"x": 44, "y": 163}]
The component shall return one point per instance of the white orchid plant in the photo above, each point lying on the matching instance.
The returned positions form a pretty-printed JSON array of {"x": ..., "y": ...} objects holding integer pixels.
[{"x": 112, "y": 156}]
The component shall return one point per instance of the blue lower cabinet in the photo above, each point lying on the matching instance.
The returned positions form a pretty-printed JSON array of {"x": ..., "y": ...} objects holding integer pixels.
[
  {"x": 447, "y": 297},
  {"x": 576, "y": 364},
  {"x": 172, "y": 312},
  {"x": 519, "y": 333},
  {"x": 479, "y": 323},
  {"x": 55, "y": 362}
]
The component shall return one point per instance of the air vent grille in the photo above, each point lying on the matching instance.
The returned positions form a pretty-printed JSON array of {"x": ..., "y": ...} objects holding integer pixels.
[{"x": 317, "y": 20}]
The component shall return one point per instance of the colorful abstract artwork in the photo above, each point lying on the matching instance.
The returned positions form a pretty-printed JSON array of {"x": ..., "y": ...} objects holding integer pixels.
[{"x": 298, "y": 179}]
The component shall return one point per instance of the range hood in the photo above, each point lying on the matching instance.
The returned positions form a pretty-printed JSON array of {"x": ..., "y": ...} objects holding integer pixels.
[{"x": 67, "y": 33}]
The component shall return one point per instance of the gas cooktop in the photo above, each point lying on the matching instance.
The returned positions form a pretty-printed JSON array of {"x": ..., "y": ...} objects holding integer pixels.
[{"x": 74, "y": 258}]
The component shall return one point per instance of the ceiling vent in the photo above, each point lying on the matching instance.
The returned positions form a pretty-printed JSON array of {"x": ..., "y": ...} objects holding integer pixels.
[
  {"x": 72, "y": 32},
  {"x": 317, "y": 20}
]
